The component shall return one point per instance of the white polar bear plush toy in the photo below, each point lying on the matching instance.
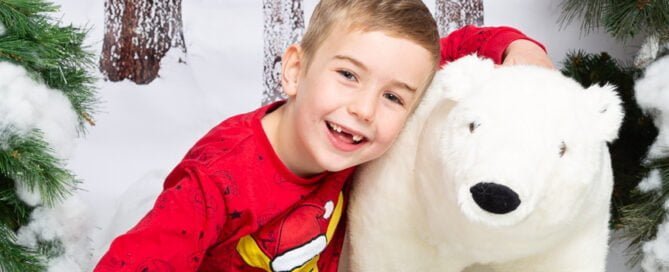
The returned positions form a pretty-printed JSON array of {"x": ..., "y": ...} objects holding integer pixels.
[{"x": 506, "y": 168}]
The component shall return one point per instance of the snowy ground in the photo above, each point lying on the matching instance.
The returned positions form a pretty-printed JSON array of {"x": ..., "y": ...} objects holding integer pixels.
[{"x": 143, "y": 131}]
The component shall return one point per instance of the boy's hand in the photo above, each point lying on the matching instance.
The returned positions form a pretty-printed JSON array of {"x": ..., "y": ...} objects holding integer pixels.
[{"x": 526, "y": 52}]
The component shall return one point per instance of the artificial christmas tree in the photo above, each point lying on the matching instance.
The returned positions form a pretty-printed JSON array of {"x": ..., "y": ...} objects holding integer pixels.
[{"x": 46, "y": 99}]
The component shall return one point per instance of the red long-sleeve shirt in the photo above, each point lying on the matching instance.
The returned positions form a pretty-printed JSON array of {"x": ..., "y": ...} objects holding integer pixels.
[
  {"x": 489, "y": 42},
  {"x": 231, "y": 205}
]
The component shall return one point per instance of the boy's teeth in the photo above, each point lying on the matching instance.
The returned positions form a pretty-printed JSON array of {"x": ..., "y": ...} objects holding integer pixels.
[
  {"x": 335, "y": 127},
  {"x": 338, "y": 129}
]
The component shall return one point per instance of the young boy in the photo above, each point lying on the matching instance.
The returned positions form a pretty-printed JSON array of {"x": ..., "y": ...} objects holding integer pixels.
[{"x": 264, "y": 191}]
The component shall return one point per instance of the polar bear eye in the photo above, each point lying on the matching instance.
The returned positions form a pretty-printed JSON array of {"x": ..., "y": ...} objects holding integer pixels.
[
  {"x": 473, "y": 126},
  {"x": 563, "y": 149}
]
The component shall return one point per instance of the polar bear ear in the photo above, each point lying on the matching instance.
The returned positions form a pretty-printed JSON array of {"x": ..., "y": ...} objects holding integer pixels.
[
  {"x": 607, "y": 109},
  {"x": 460, "y": 77}
]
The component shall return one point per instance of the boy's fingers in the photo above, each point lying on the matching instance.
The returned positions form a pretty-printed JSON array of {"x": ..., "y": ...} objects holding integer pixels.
[
  {"x": 526, "y": 52},
  {"x": 542, "y": 61}
]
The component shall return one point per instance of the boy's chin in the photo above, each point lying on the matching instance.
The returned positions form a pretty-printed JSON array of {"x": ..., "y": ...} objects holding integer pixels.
[
  {"x": 336, "y": 167},
  {"x": 333, "y": 166},
  {"x": 333, "y": 161}
]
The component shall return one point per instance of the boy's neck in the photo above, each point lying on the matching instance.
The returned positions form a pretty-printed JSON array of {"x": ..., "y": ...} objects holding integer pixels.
[{"x": 280, "y": 132}]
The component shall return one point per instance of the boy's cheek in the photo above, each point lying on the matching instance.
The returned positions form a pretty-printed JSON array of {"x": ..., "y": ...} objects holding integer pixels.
[
  {"x": 417, "y": 97},
  {"x": 394, "y": 128}
]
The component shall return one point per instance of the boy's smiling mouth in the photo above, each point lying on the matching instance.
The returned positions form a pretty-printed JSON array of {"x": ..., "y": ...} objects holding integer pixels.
[{"x": 344, "y": 138}]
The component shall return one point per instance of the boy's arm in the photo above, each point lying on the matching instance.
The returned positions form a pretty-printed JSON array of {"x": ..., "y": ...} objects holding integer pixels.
[
  {"x": 504, "y": 45},
  {"x": 175, "y": 234}
]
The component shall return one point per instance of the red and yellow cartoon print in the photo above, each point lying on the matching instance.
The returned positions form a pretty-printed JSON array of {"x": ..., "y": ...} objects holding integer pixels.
[{"x": 294, "y": 242}]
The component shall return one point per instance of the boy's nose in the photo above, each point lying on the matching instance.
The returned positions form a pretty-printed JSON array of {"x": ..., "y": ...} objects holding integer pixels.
[{"x": 363, "y": 107}]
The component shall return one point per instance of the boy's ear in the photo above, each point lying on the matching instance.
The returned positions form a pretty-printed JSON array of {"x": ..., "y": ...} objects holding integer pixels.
[{"x": 291, "y": 67}]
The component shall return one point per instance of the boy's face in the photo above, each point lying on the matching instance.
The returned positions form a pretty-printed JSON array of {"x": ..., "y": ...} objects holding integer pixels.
[{"x": 352, "y": 102}]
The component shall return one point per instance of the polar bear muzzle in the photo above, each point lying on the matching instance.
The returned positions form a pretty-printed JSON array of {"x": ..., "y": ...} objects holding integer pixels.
[{"x": 495, "y": 198}]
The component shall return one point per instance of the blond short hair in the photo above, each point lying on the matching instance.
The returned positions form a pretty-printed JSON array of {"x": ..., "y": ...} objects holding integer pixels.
[{"x": 408, "y": 19}]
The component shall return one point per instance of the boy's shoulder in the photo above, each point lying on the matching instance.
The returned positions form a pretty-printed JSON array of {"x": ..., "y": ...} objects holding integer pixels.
[
  {"x": 232, "y": 139},
  {"x": 219, "y": 142}
]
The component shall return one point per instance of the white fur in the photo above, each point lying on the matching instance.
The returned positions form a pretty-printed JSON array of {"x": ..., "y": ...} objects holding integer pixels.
[{"x": 411, "y": 210}]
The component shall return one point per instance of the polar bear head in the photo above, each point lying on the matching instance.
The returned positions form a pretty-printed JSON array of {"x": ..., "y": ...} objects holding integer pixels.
[{"x": 514, "y": 145}]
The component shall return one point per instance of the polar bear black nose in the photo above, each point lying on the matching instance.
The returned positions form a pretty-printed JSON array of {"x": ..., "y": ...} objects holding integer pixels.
[{"x": 494, "y": 197}]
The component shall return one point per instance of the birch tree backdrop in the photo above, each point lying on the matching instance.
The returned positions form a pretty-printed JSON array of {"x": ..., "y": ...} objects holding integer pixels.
[
  {"x": 454, "y": 14},
  {"x": 138, "y": 34},
  {"x": 283, "y": 25}
]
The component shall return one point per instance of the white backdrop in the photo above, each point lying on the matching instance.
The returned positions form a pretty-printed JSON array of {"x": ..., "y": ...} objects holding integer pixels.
[{"x": 143, "y": 131}]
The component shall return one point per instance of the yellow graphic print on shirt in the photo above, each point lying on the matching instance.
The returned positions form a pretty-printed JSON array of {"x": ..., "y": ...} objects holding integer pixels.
[{"x": 294, "y": 242}]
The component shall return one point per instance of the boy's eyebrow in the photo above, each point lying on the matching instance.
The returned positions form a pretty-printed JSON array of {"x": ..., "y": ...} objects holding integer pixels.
[
  {"x": 404, "y": 85},
  {"x": 352, "y": 60},
  {"x": 363, "y": 67}
]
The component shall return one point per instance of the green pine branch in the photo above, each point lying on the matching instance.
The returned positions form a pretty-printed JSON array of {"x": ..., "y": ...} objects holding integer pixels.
[
  {"x": 14, "y": 213},
  {"x": 30, "y": 160},
  {"x": 622, "y": 19},
  {"x": 18, "y": 14},
  {"x": 53, "y": 54},
  {"x": 17, "y": 258},
  {"x": 642, "y": 217},
  {"x": 51, "y": 249},
  {"x": 590, "y": 12}
]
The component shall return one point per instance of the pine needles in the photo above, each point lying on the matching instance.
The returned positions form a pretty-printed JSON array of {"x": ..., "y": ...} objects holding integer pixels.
[
  {"x": 642, "y": 218},
  {"x": 622, "y": 19},
  {"x": 55, "y": 56}
]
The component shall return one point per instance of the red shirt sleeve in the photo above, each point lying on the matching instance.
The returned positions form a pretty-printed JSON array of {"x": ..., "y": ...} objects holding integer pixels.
[
  {"x": 175, "y": 234},
  {"x": 489, "y": 42}
]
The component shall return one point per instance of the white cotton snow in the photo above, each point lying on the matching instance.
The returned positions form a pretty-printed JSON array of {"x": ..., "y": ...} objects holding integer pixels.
[
  {"x": 26, "y": 104},
  {"x": 64, "y": 264},
  {"x": 656, "y": 252},
  {"x": 131, "y": 206},
  {"x": 652, "y": 182},
  {"x": 68, "y": 222},
  {"x": 652, "y": 94},
  {"x": 2, "y": 29},
  {"x": 648, "y": 52},
  {"x": 31, "y": 197}
]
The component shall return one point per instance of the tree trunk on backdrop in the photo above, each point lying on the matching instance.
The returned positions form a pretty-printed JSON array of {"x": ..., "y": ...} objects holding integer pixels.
[
  {"x": 138, "y": 34},
  {"x": 454, "y": 14},
  {"x": 283, "y": 25}
]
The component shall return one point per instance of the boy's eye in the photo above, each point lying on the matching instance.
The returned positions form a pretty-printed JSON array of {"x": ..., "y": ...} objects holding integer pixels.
[
  {"x": 394, "y": 98},
  {"x": 348, "y": 75}
]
